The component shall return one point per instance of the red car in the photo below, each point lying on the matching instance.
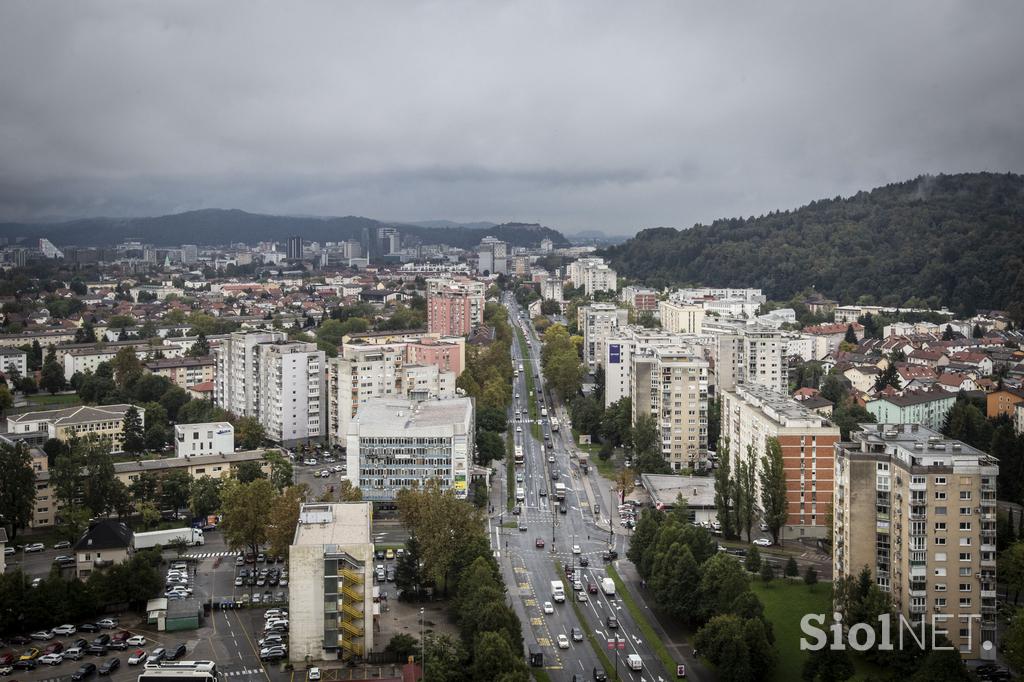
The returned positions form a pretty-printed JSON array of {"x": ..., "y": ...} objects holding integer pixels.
[
  {"x": 539, "y": 543},
  {"x": 54, "y": 648},
  {"x": 7, "y": 659},
  {"x": 592, "y": 588}
]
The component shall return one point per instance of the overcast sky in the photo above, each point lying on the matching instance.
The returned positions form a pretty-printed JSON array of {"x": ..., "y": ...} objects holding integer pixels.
[{"x": 613, "y": 116}]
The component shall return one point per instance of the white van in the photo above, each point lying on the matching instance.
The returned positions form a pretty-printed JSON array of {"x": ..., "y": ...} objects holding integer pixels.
[
  {"x": 520, "y": 494},
  {"x": 634, "y": 662}
]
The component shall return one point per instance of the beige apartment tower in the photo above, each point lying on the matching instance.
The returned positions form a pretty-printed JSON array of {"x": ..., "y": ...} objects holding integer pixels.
[{"x": 919, "y": 510}]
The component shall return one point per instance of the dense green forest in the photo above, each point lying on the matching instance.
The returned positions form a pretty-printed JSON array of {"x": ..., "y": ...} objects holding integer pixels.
[
  {"x": 218, "y": 226},
  {"x": 952, "y": 240}
]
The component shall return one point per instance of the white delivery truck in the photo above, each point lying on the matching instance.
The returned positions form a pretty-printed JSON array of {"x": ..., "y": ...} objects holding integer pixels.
[
  {"x": 608, "y": 586},
  {"x": 171, "y": 536},
  {"x": 520, "y": 494},
  {"x": 557, "y": 591},
  {"x": 634, "y": 662}
]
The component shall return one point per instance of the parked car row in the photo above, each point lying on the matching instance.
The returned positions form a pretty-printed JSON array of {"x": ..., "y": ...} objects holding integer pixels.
[
  {"x": 273, "y": 641},
  {"x": 178, "y": 583}
]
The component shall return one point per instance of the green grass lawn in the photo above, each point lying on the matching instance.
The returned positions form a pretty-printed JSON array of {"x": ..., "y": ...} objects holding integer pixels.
[
  {"x": 785, "y": 603},
  {"x": 59, "y": 400}
]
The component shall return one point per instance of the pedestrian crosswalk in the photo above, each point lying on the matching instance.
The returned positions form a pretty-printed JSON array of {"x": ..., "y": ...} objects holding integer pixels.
[
  {"x": 241, "y": 673},
  {"x": 208, "y": 555}
]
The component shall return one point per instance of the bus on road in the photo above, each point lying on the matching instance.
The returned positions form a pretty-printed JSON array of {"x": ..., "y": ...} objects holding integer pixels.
[{"x": 519, "y": 455}]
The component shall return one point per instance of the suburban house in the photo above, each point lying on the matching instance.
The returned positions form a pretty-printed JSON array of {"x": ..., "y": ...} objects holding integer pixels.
[
  {"x": 955, "y": 382},
  {"x": 105, "y": 543},
  {"x": 1003, "y": 402}
]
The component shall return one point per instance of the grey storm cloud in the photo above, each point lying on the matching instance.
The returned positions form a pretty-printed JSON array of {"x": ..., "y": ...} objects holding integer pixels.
[{"x": 580, "y": 115}]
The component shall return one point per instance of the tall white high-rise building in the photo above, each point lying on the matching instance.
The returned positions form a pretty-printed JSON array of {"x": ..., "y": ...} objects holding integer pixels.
[
  {"x": 593, "y": 275},
  {"x": 280, "y": 383},
  {"x": 671, "y": 385},
  {"x": 366, "y": 372},
  {"x": 189, "y": 254},
  {"x": 492, "y": 255},
  {"x": 751, "y": 355},
  {"x": 597, "y": 321}
]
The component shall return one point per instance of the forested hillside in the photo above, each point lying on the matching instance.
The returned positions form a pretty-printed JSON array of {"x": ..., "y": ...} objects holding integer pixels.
[
  {"x": 218, "y": 226},
  {"x": 953, "y": 240}
]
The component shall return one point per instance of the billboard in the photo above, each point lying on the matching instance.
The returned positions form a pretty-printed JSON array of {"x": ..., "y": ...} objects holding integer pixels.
[{"x": 614, "y": 353}]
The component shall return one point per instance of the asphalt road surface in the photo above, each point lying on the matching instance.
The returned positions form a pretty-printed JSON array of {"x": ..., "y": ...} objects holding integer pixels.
[{"x": 529, "y": 570}]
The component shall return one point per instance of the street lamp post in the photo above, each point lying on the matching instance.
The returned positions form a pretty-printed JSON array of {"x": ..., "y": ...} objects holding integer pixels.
[{"x": 423, "y": 647}]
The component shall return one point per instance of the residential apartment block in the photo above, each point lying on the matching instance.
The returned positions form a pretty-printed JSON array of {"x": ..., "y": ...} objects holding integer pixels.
[
  {"x": 13, "y": 360},
  {"x": 593, "y": 275},
  {"x": 394, "y": 444},
  {"x": 671, "y": 384},
  {"x": 682, "y": 318},
  {"x": 751, "y": 414},
  {"x": 919, "y": 510},
  {"x": 623, "y": 342},
  {"x": 927, "y": 408},
  {"x": 331, "y": 592},
  {"x": 280, "y": 383},
  {"x": 184, "y": 372},
  {"x": 597, "y": 321},
  {"x": 454, "y": 307},
  {"x": 750, "y": 355},
  {"x": 366, "y": 372}
]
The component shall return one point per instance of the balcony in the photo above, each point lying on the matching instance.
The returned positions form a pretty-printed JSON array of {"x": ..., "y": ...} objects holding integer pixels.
[{"x": 918, "y": 608}]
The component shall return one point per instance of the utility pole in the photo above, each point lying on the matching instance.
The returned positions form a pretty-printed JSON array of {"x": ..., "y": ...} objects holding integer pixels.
[{"x": 423, "y": 649}]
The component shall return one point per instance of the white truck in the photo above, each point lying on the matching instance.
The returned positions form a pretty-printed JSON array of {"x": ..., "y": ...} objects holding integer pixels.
[
  {"x": 557, "y": 591},
  {"x": 608, "y": 586},
  {"x": 634, "y": 662},
  {"x": 165, "y": 538}
]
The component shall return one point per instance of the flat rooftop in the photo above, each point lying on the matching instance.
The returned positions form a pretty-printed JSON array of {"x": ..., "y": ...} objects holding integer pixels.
[
  {"x": 394, "y": 417},
  {"x": 345, "y": 523},
  {"x": 664, "y": 489},
  {"x": 778, "y": 407}
]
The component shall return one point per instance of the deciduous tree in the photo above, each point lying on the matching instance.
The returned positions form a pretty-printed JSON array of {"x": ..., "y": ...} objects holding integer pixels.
[
  {"x": 774, "y": 505},
  {"x": 17, "y": 486},
  {"x": 246, "y": 513}
]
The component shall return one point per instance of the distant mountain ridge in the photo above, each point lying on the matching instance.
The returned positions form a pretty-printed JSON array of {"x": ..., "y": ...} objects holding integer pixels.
[
  {"x": 224, "y": 226},
  {"x": 953, "y": 240}
]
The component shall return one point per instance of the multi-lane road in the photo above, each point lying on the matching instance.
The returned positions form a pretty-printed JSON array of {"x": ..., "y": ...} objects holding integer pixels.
[{"x": 529, "y": 570}]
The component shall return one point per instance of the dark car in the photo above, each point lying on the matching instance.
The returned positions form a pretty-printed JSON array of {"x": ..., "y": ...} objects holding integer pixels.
[
  {"x": 102, "y": 640},
  {"x": 54, "y": 648},
  {"x": 21, "y": 639},
  {"x": 176, "y": 653},
  {"x": 584, "y": 561},
  {"x": 88, "y": 627},
  {"x": 119, "y": 644},
  {"x": 80, "y": 643},
  {"x": 158, "y": 655},
  {"x": 109, "y": 666},
  {"x": 7, "y": 659},
  {"x": 26, "y": 664},
  {"x": 612, "y": 622},
  {"x": 592, "y": 588},
  {"x": 97, "y": 650},
  {"x": 85, "y": 671},
  {"x": 600, "y": 676},
  {"x": 610, "y": 555}
]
